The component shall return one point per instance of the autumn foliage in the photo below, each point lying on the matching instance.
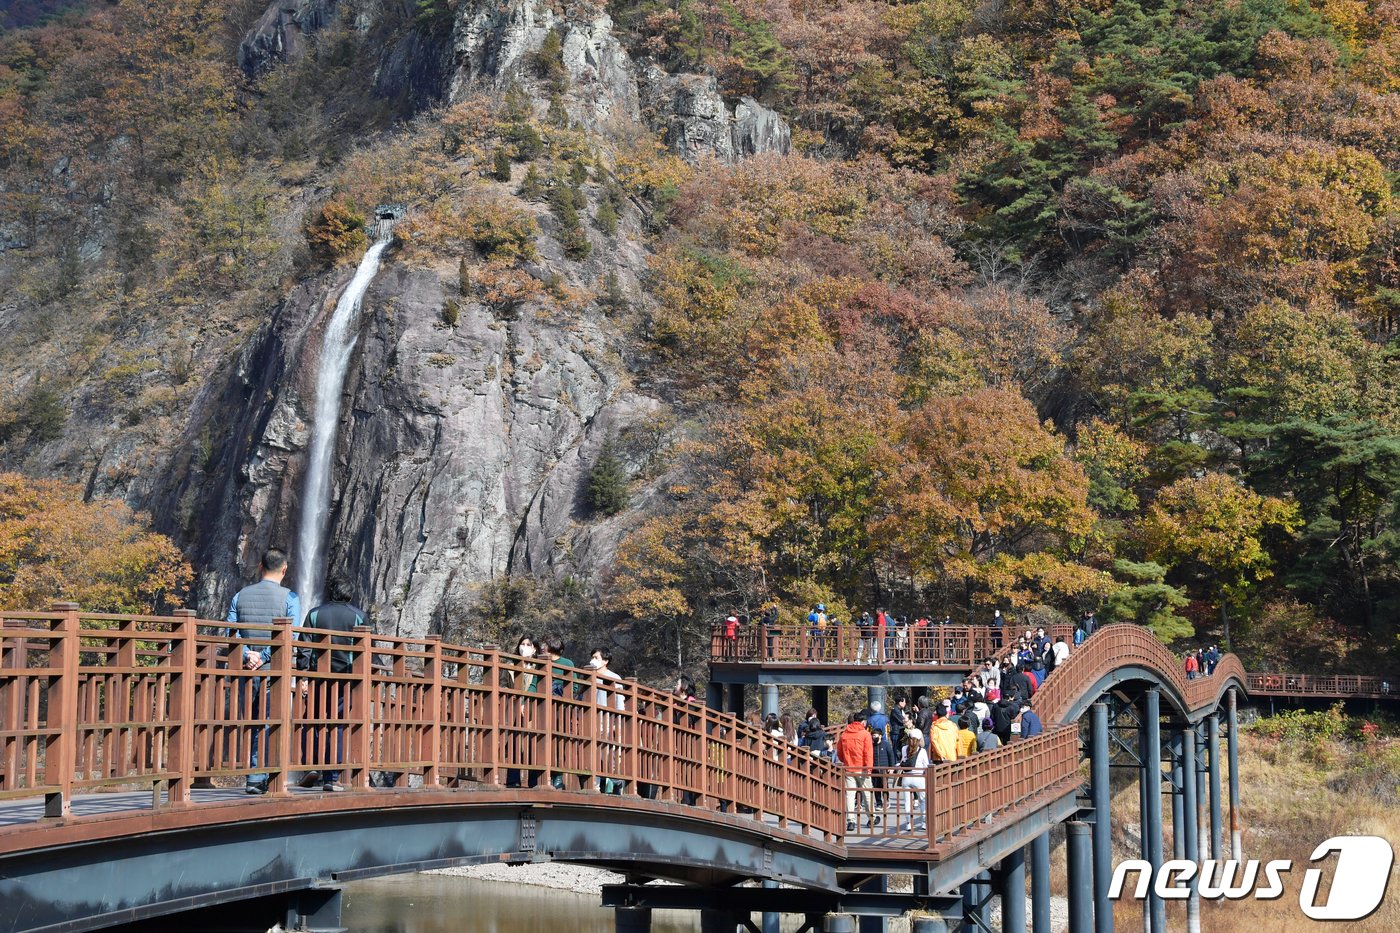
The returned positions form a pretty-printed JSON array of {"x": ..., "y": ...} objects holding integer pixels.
[{"x": 56, "y": 547}]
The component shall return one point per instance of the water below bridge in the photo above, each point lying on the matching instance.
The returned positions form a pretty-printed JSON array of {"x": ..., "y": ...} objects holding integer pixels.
[{"x": 431, "y": 903}]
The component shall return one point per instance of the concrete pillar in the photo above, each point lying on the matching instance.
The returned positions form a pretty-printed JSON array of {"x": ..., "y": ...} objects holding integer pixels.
[
  {"x": 1192, "y": 839},
  {"x": 1178, "y": 837},
  {"x": 876, "y": 694},
  {"x": 838, "y": 923},
  {"x": 1233, "y": 747},
  {"x": 714, "y": 696},
  {"x": 736, "y": 699},
  {"x": 632, "y": 919},
  {"x": 1217, "y": 848},
  {"x": 1013, "y": 892},
  {"x": 821, "y": 702},
  {"x": 1152, "y": 790},
  {"x": 1100, "y": 753},
  {"x": 929, "y": 925},
  {"x": 769, "y": 699},
  {"x": 1040, "y": 883},
  {"x": 1078, "y": 852}
]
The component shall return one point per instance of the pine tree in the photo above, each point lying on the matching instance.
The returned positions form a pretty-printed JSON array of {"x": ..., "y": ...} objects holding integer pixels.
[
  {"x": 500, "y": 168},
  {"x": 607, "y": 482}
]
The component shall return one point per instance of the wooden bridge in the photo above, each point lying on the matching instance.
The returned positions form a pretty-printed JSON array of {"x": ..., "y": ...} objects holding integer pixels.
[{"x": 124, "y": 742}]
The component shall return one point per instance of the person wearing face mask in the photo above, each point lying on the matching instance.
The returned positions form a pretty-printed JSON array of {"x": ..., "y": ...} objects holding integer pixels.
[
  {"x": 515, "y": 675},
  {"x": 610, "y": 726}
]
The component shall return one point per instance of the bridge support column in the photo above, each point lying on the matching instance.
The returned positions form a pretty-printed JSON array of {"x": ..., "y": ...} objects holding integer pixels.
[
  {"x": 1201, "y": 813},
  {"x": 769, "y": 699},
  {"x": 1192, "y": 841},
  {"x": 1013, "y": 892},
  {"x": 1217, "y": 847},
  {"x": 714, "y": 696},
  {"x": 1040, "y": 884},
  {"x": 633, "y": 919},
  {"x": 315, "y": 910},
  {"x": 736, "y": 700},
  {"x": 1151, "y": 779},
  {"x": 1081, "y": 901},
  {"x": 772, "y": 922},
  {"x": 821, "y": 702},
  {"x": 1178, "y": 836},
  {"x": 838, "y": 923},
  {"x": 721, "y": 921},
  {"x": 1236, "y": 848},
  {"x": 878, "y": 884},
  {"x": 1100, "y": 754},
  {"x": 929, "y": 925},
  {"x": 977, "y": 903},
  {"x": 876, "y": 694}
]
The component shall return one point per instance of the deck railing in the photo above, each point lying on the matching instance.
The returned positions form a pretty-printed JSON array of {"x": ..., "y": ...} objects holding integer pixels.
[
  {"x": 1320, "y": 685},
  {"x": 933, "y": 645},
  {"x": 90, "y": 701}
]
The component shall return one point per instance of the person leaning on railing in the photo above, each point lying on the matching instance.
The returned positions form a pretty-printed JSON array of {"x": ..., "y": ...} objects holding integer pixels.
[
  {"x": 338, "y": 614},
  {"x": 258, "y": 605}
]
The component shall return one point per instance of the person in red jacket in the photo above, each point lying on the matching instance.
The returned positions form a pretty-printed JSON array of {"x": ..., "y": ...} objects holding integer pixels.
[
  {"x": 856, "y": 752},
  {"x": 1193, "y": 666}
]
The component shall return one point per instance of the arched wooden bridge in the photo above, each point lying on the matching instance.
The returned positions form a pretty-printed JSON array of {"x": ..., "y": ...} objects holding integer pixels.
[{"x": 112, "y": 728}]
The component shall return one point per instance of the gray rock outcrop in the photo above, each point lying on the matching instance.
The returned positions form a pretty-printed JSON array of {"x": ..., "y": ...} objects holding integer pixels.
[
  {"x": 280, "y": 33},
  {"x": 758, "y": 129}
]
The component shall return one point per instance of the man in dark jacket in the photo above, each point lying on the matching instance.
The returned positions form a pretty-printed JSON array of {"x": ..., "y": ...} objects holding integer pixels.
[
  {"x": 1003, "y": 712},
  {"x": 1031, "y": 725},
  {"x": 258, "y": 605},
  {"x": 337, "y": 615}
]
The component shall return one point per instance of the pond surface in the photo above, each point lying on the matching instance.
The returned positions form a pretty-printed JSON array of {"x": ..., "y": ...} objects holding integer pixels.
[{"x": 449, "y": 904}]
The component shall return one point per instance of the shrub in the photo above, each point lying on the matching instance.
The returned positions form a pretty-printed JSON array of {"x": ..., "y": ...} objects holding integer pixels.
[
  {"x": 337, "y": 229},
  {"x": 451, "y": 313}
]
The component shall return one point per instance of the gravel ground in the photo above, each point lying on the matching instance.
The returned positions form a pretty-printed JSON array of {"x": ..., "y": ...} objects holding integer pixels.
[{"x": 584, "y": 880}]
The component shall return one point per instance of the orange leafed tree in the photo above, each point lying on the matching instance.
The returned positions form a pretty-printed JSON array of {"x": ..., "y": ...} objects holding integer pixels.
[{"x": 100, "y": 555}]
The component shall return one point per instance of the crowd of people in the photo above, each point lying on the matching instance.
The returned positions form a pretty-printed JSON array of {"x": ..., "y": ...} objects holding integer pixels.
[
  {"x": 1202, "y": 662},
  {"x": 885, "y": 753},
  {"x": 880, "y": 637}
]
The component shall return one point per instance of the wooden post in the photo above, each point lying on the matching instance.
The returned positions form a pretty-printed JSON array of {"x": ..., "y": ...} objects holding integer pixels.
[
  {"x": 61, "y": 750},
  {"x": 278, "y": 707},
  {"x": 434, "y": 701},
  {"x": 359, "y": 710},
  {"x": 182, "y": 708}
]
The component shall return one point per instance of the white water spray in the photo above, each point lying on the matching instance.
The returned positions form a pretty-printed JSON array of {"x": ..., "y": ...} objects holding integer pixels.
[{"x": 336, "y": 348}]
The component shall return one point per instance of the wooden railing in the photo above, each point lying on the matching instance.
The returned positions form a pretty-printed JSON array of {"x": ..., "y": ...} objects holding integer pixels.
[
  {"x": 88, "y": 701},
  {"x": 1117, "y": 646},
  {"x": 959, "y": 646},
  {"x": 1320, "y": 685}
]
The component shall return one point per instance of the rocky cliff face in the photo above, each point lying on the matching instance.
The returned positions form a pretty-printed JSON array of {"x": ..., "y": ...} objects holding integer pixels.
[
  {"x": 464, "y": 449},
  {"x": 492, "y": 44}
]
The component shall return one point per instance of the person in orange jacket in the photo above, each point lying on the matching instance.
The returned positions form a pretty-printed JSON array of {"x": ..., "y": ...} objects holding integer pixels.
[{"x": 856, "y": 751}]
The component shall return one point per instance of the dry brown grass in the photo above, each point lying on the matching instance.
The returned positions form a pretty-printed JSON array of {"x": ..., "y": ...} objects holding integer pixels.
[{"x": 1292, "y": 799}]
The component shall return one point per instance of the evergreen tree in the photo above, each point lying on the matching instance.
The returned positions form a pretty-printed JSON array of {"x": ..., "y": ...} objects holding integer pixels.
[
  {"x": 500, "y": 168},
  {"x": 607, "y": 482}
]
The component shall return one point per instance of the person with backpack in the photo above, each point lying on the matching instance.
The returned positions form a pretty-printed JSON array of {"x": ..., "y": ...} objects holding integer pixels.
[
  {"x": 865, "y": 652},
  {"x": 1192, "y": 665},
  {"x": 338, "y": 614},
  {"x": 816, "y": 632}
]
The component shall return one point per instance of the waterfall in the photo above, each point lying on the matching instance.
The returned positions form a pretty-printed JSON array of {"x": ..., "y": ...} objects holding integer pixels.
[{"x": 336, "y": 347}]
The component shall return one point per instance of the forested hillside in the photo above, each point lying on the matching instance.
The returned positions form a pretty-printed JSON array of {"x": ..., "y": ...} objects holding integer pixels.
[{"x": 1047, "y": 306}]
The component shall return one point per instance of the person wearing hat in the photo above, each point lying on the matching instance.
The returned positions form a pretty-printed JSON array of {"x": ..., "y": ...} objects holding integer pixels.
[
  {"x": 1030, "y": 724},
  {"x": 914, "y": 780},
  {"x": 987, "y": 739},
  {"x": 817, "y": 621},
  {"x": 731, "y": 636}
]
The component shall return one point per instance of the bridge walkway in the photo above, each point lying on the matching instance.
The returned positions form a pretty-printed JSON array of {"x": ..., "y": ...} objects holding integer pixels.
[{"x": 92, "y": 703}]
